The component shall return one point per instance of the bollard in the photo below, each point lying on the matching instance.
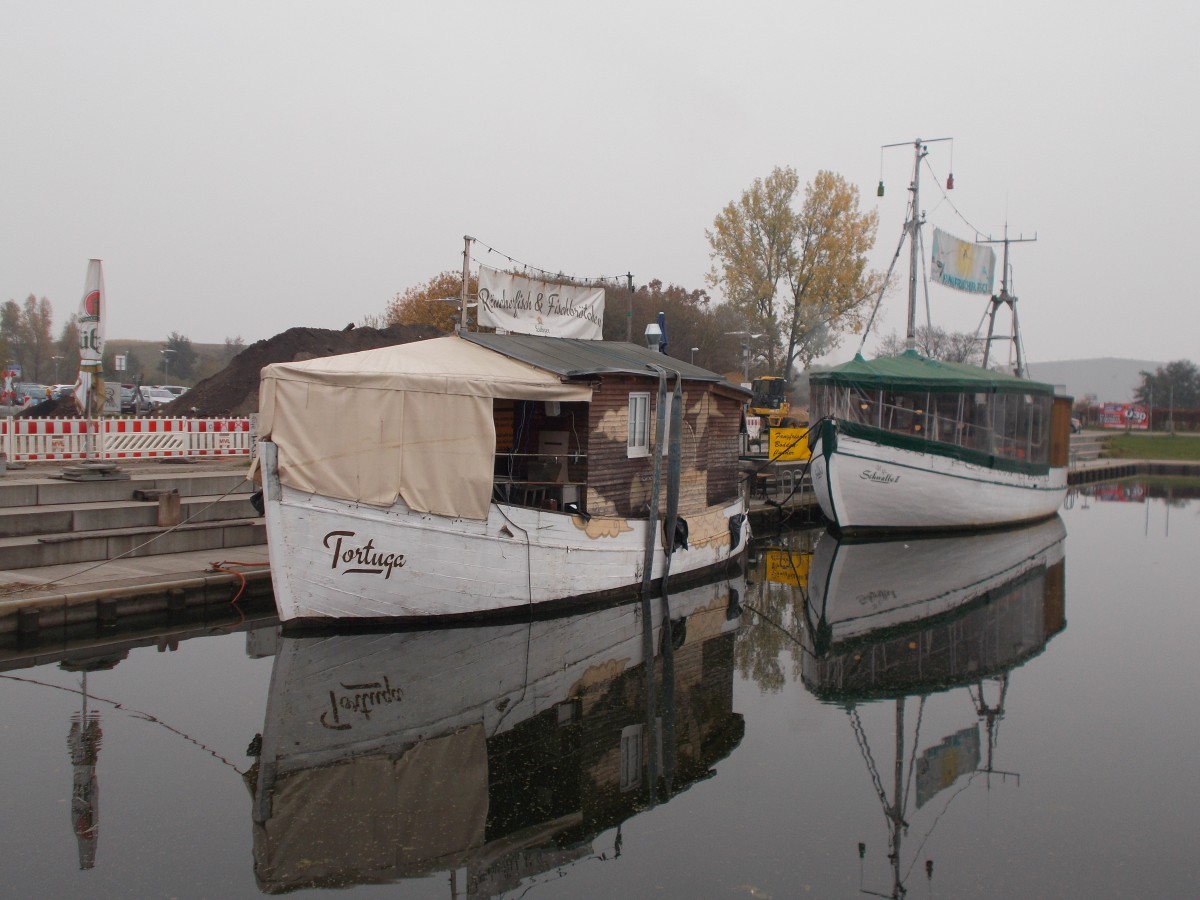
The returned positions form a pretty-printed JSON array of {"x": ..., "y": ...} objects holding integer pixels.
[{"x": 169, "y": 509}]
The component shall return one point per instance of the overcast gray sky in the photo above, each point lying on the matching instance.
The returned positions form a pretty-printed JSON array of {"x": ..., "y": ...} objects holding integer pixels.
[{"x": 243, "y": 168}]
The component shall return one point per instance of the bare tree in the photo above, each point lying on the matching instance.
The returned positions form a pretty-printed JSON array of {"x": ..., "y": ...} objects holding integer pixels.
[{"x": 937, "y": 343}]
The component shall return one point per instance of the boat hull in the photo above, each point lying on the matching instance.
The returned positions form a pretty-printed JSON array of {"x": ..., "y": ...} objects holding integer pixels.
[
  {"x": 336, "y": 560},
  {"x": 864, "y": 485}
]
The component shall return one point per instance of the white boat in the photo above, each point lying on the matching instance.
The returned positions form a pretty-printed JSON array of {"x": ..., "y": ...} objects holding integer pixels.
[
  {"x": 868, "y": 592},
  {"x": 911, "y": 443},
  {"x": 479, "y": 473},
  {"x": 492, "y": 754}
]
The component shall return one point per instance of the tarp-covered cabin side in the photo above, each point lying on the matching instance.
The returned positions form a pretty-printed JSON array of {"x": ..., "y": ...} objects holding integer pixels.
[{"x": 413, "y": 422}]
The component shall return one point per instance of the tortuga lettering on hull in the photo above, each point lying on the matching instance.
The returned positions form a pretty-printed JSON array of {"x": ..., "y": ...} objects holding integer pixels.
[
  {"x": 358, "y": 699},
  {"x": 365, "y": 558},
  {"x": 879, "y": 477}
]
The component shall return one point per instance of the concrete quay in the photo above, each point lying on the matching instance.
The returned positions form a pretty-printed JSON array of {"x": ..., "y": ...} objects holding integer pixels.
[{"x": 160, "y": 537}]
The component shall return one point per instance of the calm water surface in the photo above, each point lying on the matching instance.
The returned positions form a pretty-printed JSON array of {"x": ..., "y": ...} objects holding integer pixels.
[{"x": 999, "y": 716}]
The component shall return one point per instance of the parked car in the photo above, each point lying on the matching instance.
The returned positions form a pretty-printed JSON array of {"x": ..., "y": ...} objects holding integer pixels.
[
  {"x": 157, "y": 396},
  {"x": 177, "y": 389},
  {"x": 61, "y": 390},
  {"x": 128, "y": 401},
  {"x": 29, "y": 394}
]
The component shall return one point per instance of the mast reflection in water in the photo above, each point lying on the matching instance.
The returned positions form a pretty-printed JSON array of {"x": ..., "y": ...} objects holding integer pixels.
[
  {"x": 900, "y": 620},
  {"x": 494, "y": 754}
]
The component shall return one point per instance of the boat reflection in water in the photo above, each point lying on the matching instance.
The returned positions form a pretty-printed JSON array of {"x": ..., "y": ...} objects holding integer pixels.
[
  {"x": 492, "y": 753},
  {"x": 905, "y": 618}
]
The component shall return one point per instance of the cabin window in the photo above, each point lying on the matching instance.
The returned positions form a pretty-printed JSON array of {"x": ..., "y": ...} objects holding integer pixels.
[{"x": 639, "y": 425}]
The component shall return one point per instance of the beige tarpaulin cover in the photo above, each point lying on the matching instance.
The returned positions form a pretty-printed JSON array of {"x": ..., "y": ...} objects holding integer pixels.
[{"x": 412, "y": 421}]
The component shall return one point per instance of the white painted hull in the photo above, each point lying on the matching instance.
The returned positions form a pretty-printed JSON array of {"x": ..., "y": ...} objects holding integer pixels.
[
  {"x": 864, "y": 485},
  {"x": 859, "y": 589},
  {"x": 333, "y": 559}
]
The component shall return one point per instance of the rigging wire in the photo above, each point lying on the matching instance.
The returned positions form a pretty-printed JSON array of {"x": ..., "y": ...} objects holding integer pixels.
[
  {"x": 865, "y": 750},
  {"x": 946, "y": 197},
  {"x": 912, "y": 762},
  {"x": 135, "y": 713}
]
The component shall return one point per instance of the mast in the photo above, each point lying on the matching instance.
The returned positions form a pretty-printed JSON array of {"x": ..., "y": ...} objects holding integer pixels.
[
  {"x": 912, "y": 229},
  {"x": 1005, "y": 298}
]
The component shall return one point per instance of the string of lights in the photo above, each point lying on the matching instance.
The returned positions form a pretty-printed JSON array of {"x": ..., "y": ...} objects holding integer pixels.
[{"x": 558, "y": 277}]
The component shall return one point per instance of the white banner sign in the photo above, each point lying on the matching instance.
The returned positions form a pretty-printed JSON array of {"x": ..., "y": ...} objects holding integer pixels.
[
  {"x": 526, "y": 306},
  {"x": 962, "y": 266}
]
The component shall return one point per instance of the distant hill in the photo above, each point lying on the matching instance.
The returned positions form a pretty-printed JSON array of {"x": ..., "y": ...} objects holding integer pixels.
[{"x": 1109, "y": 379}]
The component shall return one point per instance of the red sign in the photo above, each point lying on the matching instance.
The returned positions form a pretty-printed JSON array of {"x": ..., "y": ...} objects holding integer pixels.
[{"x": 1124, "y": 415}]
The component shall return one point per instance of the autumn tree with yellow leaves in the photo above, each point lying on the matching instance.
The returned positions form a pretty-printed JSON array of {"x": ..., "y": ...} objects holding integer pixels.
[
  {"x": 798, "y": 277},
  {"x": 435, "y": 302}
]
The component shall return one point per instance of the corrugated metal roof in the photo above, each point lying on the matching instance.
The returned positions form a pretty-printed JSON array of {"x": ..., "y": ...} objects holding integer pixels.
[{"x": 570, "y": 358}]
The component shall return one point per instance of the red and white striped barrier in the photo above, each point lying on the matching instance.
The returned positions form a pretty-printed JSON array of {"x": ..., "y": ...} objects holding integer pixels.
[{"x": 43, "y": 440}]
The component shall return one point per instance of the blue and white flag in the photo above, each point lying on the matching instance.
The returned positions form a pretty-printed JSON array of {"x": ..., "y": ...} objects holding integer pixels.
[{"x": 962, "y": 266}]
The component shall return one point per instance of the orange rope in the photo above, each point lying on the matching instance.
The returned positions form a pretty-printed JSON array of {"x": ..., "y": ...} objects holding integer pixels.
[{"x": 221, "y": 567}]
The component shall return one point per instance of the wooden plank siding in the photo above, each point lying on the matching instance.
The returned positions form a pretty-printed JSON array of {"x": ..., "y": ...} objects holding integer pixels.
[{"x": 620, "y": 486}]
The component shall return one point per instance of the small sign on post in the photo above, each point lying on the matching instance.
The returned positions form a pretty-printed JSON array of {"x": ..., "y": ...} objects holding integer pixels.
[{"x": 788, "y": 445}]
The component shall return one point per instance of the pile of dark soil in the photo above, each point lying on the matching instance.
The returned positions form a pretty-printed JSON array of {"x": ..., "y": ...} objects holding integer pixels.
[{"x": 234, "y": 390}]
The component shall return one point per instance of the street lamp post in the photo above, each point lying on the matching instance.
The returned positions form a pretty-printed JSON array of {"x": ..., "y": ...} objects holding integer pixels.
[
  {"x": 56, "y": 359},
  {"x": 747, "y": 337},
  {"x": 166, "y": 355}
]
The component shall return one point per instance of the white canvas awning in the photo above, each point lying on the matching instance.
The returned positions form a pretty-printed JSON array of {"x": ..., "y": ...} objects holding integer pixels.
[{"x": 413, "y": 421}]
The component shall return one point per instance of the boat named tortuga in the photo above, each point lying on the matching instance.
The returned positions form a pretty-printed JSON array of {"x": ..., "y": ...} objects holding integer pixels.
[{"x": 479, "y": 473}]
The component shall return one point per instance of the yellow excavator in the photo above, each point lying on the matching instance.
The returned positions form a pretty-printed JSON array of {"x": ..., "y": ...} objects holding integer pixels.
[{"x": 769, "y": 402}]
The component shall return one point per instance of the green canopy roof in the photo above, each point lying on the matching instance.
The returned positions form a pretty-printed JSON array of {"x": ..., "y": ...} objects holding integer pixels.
[{"x": 910, "y": 371}]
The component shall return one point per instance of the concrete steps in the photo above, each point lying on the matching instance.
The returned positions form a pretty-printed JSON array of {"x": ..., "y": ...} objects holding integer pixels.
[
  {"x": 46, "y": 520},
  {"x": 1086, "y": 446}
]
